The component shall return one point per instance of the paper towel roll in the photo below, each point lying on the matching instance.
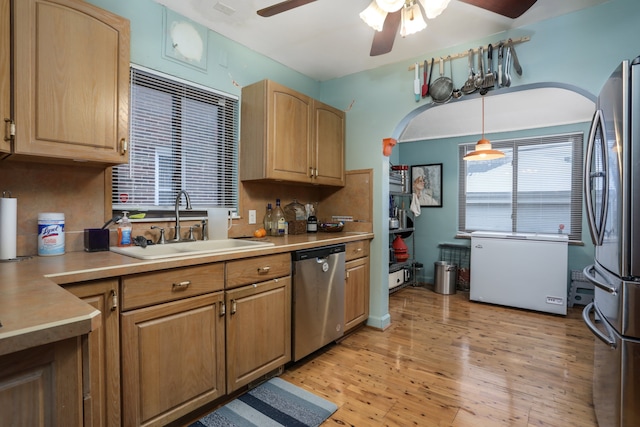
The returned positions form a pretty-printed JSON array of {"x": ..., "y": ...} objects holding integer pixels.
[{"x": 8, "y": 227}]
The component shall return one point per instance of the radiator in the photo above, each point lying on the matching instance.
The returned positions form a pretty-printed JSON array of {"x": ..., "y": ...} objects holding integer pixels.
[{"x": 520, "y": 270}]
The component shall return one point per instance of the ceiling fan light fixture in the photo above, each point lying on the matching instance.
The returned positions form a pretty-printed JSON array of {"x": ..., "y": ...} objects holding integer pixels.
[
  {"x": 412, "y": 19},
  {"x": 433, "y": 8},
  {"x": 374, "y": 16},
  {"x": 390, "y": 5}
]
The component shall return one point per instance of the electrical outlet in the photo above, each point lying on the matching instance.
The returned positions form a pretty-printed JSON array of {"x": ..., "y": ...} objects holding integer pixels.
[{"x": 252, "y": 216}]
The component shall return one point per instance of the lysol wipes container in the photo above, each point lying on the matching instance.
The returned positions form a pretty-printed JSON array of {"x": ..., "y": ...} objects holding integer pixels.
[{"x": 50, "y": 233}]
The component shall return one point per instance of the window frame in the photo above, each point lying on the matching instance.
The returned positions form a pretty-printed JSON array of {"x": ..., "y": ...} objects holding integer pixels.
[
  {"x": 226, "y": 193},
  {"x": 576, "y": 196}
]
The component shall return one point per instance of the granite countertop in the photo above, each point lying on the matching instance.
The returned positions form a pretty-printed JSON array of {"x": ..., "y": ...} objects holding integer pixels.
[{"x": 35, "y": 309}]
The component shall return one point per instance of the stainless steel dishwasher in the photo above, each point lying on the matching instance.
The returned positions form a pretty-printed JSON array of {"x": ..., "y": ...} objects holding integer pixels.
[{"x": 318, "y": 298}]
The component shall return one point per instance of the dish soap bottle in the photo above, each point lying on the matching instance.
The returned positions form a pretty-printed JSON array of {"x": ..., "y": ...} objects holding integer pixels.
[{"x": 124, "y": 230}]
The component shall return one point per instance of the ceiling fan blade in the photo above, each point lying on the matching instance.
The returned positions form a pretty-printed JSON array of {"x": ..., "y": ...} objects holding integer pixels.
[
  {"x": 383, "y": 40},
  {"x": 282, "y": 7},
  {"x": 509, "y": 8}
]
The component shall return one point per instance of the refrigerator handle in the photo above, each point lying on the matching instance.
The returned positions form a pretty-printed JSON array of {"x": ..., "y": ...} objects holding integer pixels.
[
  {"x": 607, "y": 339},
  {"x": 596, "y": 230},
  {"x": 592, "y": 278}
]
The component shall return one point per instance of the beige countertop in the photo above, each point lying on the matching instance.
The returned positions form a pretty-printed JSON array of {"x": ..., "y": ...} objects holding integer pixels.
[{"x": 36, "y": 310}]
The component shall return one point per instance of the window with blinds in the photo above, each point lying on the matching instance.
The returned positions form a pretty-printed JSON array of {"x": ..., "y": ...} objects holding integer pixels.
[
  {"x": 182, "y": 137},
  {"x": 535, "y": 188}
]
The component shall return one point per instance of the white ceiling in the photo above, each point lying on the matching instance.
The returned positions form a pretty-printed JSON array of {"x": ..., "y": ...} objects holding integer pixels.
[{"x": 327, "y": 39}]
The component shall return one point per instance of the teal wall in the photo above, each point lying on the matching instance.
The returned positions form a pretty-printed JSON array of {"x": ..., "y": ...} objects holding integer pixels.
[{"x": 580, "y": 49}]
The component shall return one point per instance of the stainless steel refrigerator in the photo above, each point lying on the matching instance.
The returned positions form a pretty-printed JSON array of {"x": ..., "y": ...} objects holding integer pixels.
[{"x": 612, "y": 199}]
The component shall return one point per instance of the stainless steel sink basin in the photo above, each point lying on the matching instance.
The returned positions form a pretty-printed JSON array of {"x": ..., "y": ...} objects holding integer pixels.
[{"x": 173, "y": 250}]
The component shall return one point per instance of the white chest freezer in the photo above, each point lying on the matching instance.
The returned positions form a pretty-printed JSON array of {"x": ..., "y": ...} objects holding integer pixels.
[{"x": 520, "y": 270}]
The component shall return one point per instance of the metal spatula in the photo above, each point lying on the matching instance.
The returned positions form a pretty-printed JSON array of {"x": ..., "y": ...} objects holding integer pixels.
[{"x": 489, "y": 78}]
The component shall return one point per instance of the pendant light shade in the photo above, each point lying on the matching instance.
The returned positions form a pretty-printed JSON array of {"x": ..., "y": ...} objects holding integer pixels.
[{"x": 483, "y": 149}]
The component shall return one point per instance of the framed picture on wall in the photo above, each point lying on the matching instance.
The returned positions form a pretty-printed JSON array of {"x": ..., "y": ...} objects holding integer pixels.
[{"x": 427, "y": 184}]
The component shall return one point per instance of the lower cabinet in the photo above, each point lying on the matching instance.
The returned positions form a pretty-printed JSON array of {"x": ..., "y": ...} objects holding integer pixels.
[
  {"x": 173, "y": 343},
  {"x": 356, "y": 298},
  {"x": 42, "y": 386},
  {"x": 258, "y": 330},
  {"x": 172, "y": 359},
  {"x": 101, "y": 354}
]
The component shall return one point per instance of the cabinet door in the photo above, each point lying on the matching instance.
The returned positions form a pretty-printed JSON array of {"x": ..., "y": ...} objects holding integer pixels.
[
  {"x": 289, "y": 145},
  {"x": 356, "y": 298},
  {"x": 101, "y": 354},
  {"x": 276, "y": 133},
  {"x": 172, "y": 359},
  {"x": 328, "y": 145},
  {"x": 5, "y": 76},
  {"x": 71, "y": 70},
  {"x": 258, "y": 330},
  {"x": 41, "y": 386}
]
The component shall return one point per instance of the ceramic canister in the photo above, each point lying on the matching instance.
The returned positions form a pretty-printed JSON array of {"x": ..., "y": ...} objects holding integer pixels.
[{"x": 50, "y": 233}]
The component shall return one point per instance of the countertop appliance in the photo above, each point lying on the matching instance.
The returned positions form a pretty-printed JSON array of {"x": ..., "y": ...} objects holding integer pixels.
[
  {"x": 318, "y": 298},
  {"x": 612, "y": 199},
  {"x": 521, "y": 270}
]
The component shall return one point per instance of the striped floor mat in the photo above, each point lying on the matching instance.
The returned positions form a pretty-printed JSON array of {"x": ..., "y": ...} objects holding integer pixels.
[{"x": 274, "y": 403}]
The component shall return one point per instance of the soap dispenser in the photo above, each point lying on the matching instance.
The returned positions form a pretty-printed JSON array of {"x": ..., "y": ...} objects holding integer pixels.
[{"x": 124, "y": 230}]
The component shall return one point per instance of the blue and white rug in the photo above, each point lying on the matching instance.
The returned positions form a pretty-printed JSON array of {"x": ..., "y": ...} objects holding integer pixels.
[{"x": 274, "y": 403}]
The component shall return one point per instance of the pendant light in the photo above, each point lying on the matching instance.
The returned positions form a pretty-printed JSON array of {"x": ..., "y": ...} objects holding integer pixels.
[{"x": 483, "y": 149}]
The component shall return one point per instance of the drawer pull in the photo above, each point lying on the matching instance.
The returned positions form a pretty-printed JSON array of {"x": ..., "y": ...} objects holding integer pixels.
[
  {"x": 359, "y": 250},
  {"x": 181, "y": 286},
  {"x": 264, "y": 270}
]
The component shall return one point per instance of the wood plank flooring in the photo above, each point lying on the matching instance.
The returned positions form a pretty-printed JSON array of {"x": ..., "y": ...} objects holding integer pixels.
[{"x": 446, "y": 361}]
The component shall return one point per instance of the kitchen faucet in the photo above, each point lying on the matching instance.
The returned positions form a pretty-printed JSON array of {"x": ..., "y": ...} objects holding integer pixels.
[{"x": 177, "y": 237}]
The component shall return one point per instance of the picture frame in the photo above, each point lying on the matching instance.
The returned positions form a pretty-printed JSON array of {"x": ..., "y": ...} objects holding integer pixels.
[{"x": 426, "y": 182}]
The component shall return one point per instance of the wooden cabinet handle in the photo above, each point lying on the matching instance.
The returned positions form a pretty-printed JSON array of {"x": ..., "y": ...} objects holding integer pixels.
[
  {"x": 114, "y": 300},
  {"x": 181, "y": 286},
  {"x": 264, "y": 270},
  {"x": 124, "y": 146}
]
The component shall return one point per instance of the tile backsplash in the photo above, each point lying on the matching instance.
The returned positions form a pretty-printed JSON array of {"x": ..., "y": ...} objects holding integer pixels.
[{"x": 78, "y": 191}]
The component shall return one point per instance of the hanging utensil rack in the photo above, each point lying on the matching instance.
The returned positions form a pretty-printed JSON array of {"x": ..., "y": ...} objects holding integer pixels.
[{"x": 465, "y": 54}]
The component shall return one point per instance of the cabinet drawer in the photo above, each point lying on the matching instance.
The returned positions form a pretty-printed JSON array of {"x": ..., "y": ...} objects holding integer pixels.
[
  {"x": 169, "y": 285},
  {"x": 259, "y": 269},
  {"x": 356, "y": 250}
]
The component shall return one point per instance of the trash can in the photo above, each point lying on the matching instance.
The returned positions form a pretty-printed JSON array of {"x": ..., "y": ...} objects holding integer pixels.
[{"x": 445, "y": 277}]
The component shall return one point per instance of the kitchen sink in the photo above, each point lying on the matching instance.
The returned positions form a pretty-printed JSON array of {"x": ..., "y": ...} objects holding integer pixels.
[{"x": 173, "y": 250}]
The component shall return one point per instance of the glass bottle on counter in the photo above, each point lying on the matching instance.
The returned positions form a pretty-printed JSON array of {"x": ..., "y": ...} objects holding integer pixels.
[
  {"x": 268, "y": 219},
  {"x": 312, "y": 219},
  {"x": 278, "y": 220}
]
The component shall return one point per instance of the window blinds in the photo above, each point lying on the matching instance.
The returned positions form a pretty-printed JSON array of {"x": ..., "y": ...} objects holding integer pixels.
[{"x": 182, "y": 137}]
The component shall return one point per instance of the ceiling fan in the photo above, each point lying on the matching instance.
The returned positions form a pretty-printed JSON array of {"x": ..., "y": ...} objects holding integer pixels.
[{"x": 383, "y": 39}]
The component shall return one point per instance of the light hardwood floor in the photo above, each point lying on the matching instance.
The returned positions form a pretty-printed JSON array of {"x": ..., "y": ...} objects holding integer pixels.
[{"x": 446, "y": 361}]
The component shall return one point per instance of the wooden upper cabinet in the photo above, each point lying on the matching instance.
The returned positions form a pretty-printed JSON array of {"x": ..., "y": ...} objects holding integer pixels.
[
  {"x": 71, "y": 88},
  {"x": 288, "y": 136},
  {"x": 5, "y": 74},
  {"x": 328, "y": 144}
]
